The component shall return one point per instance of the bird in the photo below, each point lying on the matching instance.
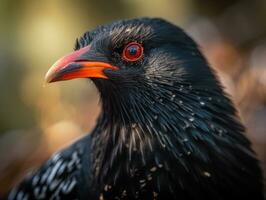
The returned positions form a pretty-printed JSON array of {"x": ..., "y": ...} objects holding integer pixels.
[{"x": 167, "y": 129}]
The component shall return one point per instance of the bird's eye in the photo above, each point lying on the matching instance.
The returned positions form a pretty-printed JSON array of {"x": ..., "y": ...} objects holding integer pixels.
[{"x": 132, "y": 52}]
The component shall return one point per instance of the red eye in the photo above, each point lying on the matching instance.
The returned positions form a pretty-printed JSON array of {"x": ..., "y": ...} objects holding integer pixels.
[{"x": 133, "y": 51}]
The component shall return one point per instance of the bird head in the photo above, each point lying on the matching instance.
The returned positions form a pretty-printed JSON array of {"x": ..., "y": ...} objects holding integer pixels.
[{"x": 138, "y": 63}]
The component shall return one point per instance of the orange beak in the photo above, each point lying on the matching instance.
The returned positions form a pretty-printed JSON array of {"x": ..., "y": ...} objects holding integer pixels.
[{"x": 73, "y": 66}]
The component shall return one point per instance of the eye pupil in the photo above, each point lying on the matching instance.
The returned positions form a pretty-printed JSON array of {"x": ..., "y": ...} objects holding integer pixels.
[{"x": 132, "y": 52}]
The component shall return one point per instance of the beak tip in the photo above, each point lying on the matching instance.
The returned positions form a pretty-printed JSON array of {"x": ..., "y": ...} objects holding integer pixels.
[
  {"x": 46, "y": 81},
  {"x": 49, "y": 76}
]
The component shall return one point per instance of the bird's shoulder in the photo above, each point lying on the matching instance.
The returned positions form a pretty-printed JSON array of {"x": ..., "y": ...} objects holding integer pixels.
[{"x": 59, "y": 177}]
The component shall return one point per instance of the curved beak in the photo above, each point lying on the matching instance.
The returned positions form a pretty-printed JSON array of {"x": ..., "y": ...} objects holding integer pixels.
[{"x": 73, "y": 66}]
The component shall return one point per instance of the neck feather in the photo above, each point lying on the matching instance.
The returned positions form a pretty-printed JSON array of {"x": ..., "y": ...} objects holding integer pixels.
[{"x": 165, "y": 128}]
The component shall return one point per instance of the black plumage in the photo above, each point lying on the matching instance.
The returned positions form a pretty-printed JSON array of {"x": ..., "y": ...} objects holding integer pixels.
[{"x": 167, "y": 130}]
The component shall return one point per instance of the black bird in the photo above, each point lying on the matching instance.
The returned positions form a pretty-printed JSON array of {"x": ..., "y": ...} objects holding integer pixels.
[{"x": 167, "y": 130}]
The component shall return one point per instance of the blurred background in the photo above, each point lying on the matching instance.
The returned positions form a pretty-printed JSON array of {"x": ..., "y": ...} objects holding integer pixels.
[{"x": 35, "y": 121}]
